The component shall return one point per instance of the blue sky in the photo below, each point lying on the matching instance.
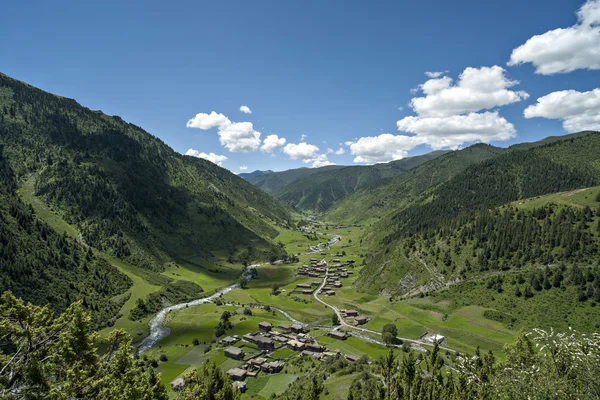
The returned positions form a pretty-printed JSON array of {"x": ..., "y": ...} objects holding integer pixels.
[{"x": 334, "y": 71}]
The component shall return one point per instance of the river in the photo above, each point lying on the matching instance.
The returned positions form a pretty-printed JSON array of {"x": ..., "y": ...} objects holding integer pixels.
[{"x": 158, "y": 331}]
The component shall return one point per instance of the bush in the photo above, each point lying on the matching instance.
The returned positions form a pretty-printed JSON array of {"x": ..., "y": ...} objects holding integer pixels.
[{"x": 195, "y": 342}]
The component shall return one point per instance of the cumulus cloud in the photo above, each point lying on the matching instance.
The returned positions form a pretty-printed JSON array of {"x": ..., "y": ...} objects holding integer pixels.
[
  {"x": 302, "y": 151},
  {"x": 436, "y": 74},
  {"x": 212, "y": 157},
  {"x": 476, "y": 89},
  {"x": 564, "y": 50},
  {"x": 272, "y": 142},
  {"x": 237, "y": 137},
  {"x": 207, "y": 121},
  {"x": 383, "y": 148},
  {"x": 449, "y": 114},
  {"x": 245, "y": 110},
  {"x": 308, "y": 153},
  {"x": 453, "y": 131},
  {"x": 243, "y": 167},
  {"x": 578, "y": 111},
  {"x": 303, "y": 137},
  {"x": 320, "y": 161}
]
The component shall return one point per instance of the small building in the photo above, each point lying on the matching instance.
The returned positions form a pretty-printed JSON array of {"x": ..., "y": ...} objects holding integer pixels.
[
  {"x": 361, "y": 320},
  {"x": 234, "y": 352},
  {"x": 351, "y": 358},
  {"x": 239, "y": 385},
  {"x": 263, "y": 343},
  {"x": 350, "y": 313},
  {"x": 178, "y": 384},
  {"x": 330, "y": 293},
  {"x": 272, "y": 367},
  {"x": 230, "y": 340},
  {"x": 237, "y": 374},
  {"x": 337, "y": 284},
  {"x": 285, "y": 328},
  {"x": 296, "y": 345},
  {"x": 297, "y": 328},
  {"x": 265, "y": 326},
  {"x": 307, "y": 291},
  {"x": 337, "y": 335},
  {"x": 315, "y": 347},
  {"x": 303, "y": 286},
  {"x": 257, "y": 362},
  {"x": 437, "y": 338}
]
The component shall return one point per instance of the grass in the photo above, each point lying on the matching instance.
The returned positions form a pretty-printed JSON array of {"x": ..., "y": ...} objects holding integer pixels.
[
  {"x": 573, "y": 198},
  {"x": 140, "y": 288},
  {"x": 264, "y": 386}
]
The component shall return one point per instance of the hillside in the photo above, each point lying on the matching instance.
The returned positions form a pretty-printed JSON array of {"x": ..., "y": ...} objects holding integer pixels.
[
  {"x": 319, "y": 191},
  {"x": 45, "y": 267},
  {"x": 392, "y": 194},
  {"x": 386, "y": 195},
  {"x": 441, "y": 223},
  {"x": 271, "y": 181},
  {"x": 127, "y": 195},
  {"x": 254, "y": 174},
  {"x": 128, "y": 192}
]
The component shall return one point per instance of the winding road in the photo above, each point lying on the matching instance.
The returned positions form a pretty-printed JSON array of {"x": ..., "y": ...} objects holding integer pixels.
[{"x": 360, "y": 332}]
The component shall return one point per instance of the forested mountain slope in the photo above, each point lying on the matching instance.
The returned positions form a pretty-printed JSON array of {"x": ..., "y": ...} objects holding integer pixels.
[
  {"x": 386, "y": 195},
  {"x": 392, "y": 194},
  {"x": 270, "y": 181},
  {"x": 456, "y": 229},
  {"x": 42, "y": 266},
  {"x": 319, "y": 191},
  {"x": 127, "y": 192}
]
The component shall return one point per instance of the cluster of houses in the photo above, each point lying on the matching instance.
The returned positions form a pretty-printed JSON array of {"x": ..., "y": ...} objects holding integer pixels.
[
  {"x": 358, "y": 319},
  {"x": 316, "y": 268},
  {"x": 320, "y": 269},
  {"x": 292, "y": 336}
]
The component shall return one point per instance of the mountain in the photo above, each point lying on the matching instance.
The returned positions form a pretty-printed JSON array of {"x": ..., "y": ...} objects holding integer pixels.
[
  {"x": 252, "y": 175},
  {"x": 45, "y": 267},
  {"x": 127, "y": 194},
  {"x": 273, "y": 181},
  {"x": 459, "y": 228},
  {"x": 320, "y": 190},
  {"x": 392, "y": 194}
]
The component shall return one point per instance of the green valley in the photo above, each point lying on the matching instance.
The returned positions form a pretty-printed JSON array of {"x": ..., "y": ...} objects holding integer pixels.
[{"x": 129, "y": 270}]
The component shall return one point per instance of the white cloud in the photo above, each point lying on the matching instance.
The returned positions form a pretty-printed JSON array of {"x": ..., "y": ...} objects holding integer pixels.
[
  {"x": 237, "y": 137},
  {"x": 447, "y": 116},
  {"x": 308, "y": 153},
  {"x": 383, "y": 148},
  {"x": 455, "y": 130},
  {"x": 436, "y": 74},
  {"x": 303, "y": 137},
  {"x": 476, "y": 89},
  {"x": 302, "y": 151},
  {"x": 207, "y": 121},
  {"x": 578, "y": 111},
  {"x": 212, "y": 157},
  {"x": 400, "y": 108},
  {"x": 246, "y": 110},
  {"x": 272, "y": 142},
  {"x": 564, "y": 50},
  {"x": 338, "y": 152},
  {"x": 243, "y": 167},
  {"x": 321, "y": 161}
]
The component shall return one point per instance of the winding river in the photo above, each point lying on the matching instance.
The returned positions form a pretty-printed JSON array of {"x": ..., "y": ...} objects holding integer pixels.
[{"x": 158, "y": 331}]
